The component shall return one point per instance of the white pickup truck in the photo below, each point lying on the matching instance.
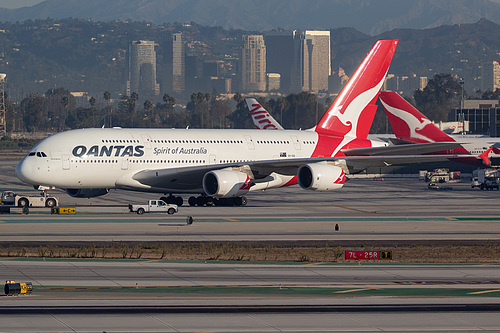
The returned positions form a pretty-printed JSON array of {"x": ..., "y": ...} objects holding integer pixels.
[{"x": 154, "y": 206}]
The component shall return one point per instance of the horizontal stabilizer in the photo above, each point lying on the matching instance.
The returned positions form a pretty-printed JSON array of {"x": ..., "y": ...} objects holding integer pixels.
[{"x": 408, "y": 149}]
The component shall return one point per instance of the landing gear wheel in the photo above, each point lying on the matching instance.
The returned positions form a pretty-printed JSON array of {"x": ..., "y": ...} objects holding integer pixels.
[
  {"x": 193, "y": 201},
  {"x": 173, "y": 200},
  {"x": 244, "y": 201}
]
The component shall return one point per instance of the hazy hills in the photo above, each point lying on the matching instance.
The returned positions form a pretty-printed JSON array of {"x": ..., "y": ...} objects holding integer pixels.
[
  {"x": 369, "y": 16},
  {"x": 84, "y": 55}
]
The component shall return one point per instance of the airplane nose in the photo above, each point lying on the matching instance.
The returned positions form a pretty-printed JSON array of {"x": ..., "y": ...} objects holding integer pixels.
[{"x": 24, "y": 171}]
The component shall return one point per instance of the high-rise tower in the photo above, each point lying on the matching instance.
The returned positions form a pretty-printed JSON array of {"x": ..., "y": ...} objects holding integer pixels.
[
  {"x": 175, "y": 64},
  {"x": 253, "y": 63},
  {"x": 279, "y": 56},
  {"x": 312, "y": 64},
  {"x": 3, "y": 128},
  {"x": 142, "y": 69}
]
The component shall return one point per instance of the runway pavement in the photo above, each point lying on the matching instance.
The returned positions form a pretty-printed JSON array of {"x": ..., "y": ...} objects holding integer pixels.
[
  {"x": 145, "y": 296},
  {"x": 140, "y": 296}
]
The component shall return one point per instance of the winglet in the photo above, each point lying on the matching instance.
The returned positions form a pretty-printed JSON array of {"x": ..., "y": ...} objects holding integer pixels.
[
  {"x": 261, "y": 118},
  {"x": 408, "y": 123},
  {"x": 486, "y": 155},
  {"x": 352, "y": 112}
]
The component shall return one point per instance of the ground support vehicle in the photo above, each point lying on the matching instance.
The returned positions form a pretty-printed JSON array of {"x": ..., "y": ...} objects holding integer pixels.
[
  {"x": 153, "y": 206},
  {"x": 10, "y": 198},
  {"x": 486, "y": 179}
]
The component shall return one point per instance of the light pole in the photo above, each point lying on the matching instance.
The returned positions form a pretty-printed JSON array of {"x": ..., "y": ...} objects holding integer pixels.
[{"x": 462, "y": 105}]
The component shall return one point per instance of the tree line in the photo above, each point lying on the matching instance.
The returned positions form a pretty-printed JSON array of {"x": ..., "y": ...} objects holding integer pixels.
[{"x": 56, "y": 110}]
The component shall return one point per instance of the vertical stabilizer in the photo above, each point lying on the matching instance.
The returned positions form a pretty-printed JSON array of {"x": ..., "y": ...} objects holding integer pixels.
[
  {"x": 261, "y": 118},
  {"x": 352, "y": 112},
  {"x": 408, "y": 123}
]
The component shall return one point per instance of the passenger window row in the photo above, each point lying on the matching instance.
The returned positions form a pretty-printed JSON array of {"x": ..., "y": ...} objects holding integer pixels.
[
  {"x": 195, "y": 141},
  {"x": 273, "y": 142},
  {"x": 120, "y": 141}
]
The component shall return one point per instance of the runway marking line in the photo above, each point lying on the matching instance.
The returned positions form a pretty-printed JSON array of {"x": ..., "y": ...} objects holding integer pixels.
[
  {"x": 232, "y": 220},
  {"x": 352, "y": 290},
  {"x": 484, "y": 292},
  {"x": 451, "y": 218}
]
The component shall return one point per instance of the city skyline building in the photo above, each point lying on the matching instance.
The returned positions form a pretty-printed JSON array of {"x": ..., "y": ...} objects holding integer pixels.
[
  {"x": 312, "y": 61},
  {"x": 496, "y": 75},
  {"x": 175, "y": 64},
  {"x": 253, "y": 64},
  {"x": 3, "y": 127},
  {"x": 279, "y": 56},
  {"x": 273, "y": 81},
  {"x": 142, "y": 69}
]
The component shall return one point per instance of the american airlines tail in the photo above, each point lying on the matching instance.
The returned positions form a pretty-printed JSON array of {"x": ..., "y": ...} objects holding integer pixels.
[{"x": 408, "y": 123}]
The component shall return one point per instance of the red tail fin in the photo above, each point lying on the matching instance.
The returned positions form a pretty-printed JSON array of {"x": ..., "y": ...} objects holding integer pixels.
[
  {"x": 408, "y": 123},
  {"x": 352, "y": 112}
]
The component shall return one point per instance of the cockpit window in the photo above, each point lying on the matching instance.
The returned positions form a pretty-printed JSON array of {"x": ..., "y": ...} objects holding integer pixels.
[
  {"x": 32, "y": 153},
  {"x": 43, "y": 154},
  {"x": 38, "y": 154}
]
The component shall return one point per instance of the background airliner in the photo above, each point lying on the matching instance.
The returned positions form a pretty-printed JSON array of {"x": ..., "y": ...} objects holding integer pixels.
[
  {"x": 222, "y": 164},
  {"x": 410, "y": 125}
]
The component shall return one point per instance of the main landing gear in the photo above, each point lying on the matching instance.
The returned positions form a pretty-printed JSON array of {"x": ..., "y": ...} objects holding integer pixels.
[
  {"x": 206, "y": 201},
  {"x": 173, "y": 200},
  {"x": 211, "y": 201}
]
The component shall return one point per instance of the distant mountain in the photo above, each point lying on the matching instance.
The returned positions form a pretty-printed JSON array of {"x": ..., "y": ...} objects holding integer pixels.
[{"x": 369, "y": 16}]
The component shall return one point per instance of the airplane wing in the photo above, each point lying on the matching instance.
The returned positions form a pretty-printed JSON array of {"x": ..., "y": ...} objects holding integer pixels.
[
  {"x": 191, "y": 177},
  {"x": 403, "y": 149}
]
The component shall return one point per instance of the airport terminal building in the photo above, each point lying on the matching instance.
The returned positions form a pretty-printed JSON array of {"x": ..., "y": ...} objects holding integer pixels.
[{"x": 483, "y": 116}]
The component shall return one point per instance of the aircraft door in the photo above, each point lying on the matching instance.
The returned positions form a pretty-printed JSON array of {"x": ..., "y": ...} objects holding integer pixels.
[
  {"x": 65, "y": 162},
  {"x": 125, "y": 164},
  {"x": 249, "y": 140},
  {"x": 147, "y": 140},
  {"x": 296, "y": 142}
]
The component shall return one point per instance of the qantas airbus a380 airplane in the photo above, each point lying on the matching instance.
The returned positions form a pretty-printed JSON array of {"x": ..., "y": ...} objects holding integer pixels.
[{"x": 223, "y": 164}]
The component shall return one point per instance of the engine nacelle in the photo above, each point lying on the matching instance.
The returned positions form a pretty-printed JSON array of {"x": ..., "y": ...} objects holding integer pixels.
[
  {"x": 86, "y": 192},
  {"x": 226, "y": 183},
  {"x": 320, "y": 177}
]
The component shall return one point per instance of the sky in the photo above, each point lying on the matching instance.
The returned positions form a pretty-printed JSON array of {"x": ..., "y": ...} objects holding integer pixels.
[
  {"x": 21, "y": 3},
  {"x": 26, "y": 3}
]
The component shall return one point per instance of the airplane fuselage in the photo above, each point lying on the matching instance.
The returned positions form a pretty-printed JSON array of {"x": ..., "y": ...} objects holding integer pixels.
[{"x": 109, "y": 158}]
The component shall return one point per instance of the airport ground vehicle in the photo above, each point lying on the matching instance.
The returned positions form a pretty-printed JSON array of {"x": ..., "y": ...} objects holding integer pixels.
[
  {"x": 154, "y": 206},
  {"x": 10, "y": 198},
  {"x": 486, "y": 179}
]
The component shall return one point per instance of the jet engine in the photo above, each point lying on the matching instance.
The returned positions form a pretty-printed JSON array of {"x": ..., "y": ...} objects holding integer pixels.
[
  {"x": 86, "y": 192},
  {"x": 226, "y": 183},
  {"x": 320, "y": 177}
]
